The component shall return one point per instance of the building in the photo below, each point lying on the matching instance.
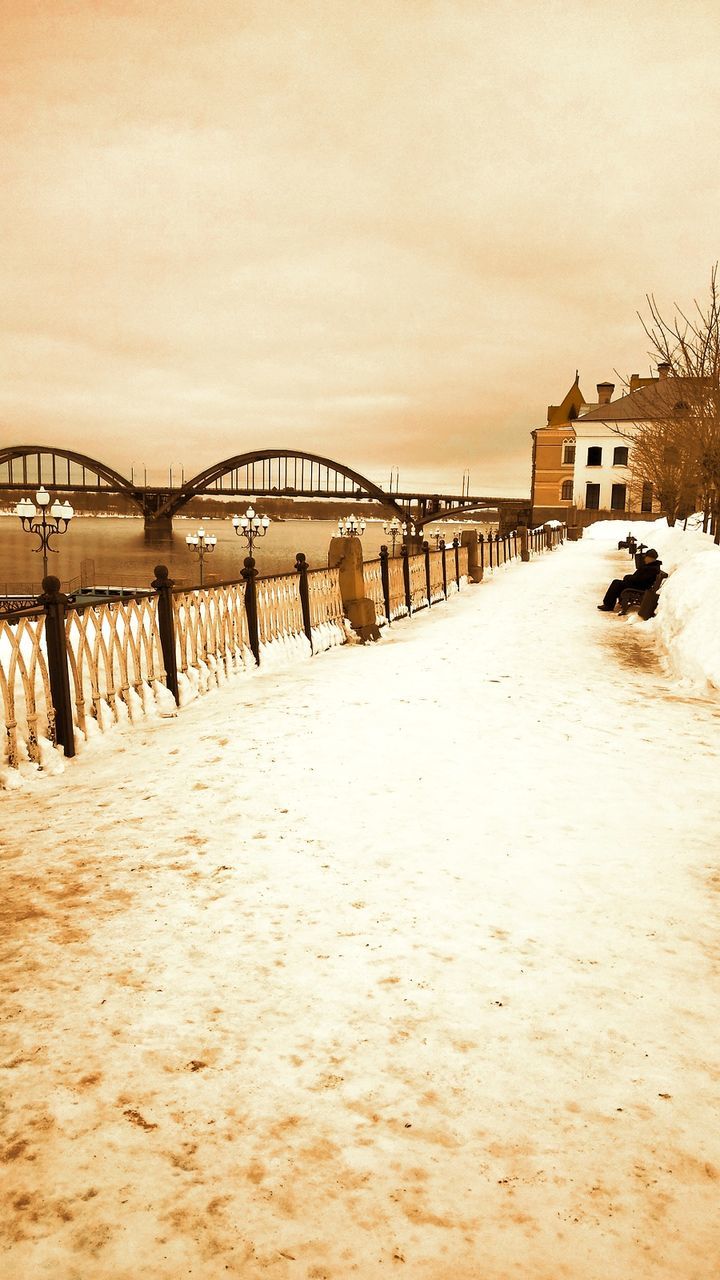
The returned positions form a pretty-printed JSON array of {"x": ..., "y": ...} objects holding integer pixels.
[
  {"x": 606, "y": 485},
  {"x": 553, "y": 458},
  {"x": 582, "y": 460}
]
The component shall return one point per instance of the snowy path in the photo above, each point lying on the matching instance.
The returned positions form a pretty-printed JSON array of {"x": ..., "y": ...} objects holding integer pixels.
[{"x": 401, "y": 962}]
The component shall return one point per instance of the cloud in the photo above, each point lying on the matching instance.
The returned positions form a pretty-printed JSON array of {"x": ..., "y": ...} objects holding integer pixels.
[{"x": 401, "y": 226}]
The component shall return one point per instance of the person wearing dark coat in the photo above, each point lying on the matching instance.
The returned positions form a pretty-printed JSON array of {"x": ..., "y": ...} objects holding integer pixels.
[{"x": 640, "y": 580}]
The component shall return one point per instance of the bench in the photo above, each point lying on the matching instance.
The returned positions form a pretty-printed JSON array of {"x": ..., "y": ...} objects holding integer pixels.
[{"x": 644, "y": 601}]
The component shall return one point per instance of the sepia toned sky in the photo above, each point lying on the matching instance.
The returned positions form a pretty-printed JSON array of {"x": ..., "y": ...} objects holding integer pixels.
[{"x": 387, "y": 232}]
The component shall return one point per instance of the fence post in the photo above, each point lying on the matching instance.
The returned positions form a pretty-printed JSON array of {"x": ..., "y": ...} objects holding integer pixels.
[
  {"x": 385, "y": 578},
  {"x": 426, "y": 554},
  {"x": 456, "y": 545},
  {"x": 524, "y": 553},
  {"x": 345, "y": 553},
  {"x": 444, "y": 567},
  {"x": 469, "y": 539},
  {"x": 301, "y": 566},
  {"x": 406, "y": 578},
  {"x": 166, "y": 626},
  {"x": 55, "y": 639},
  {"x": 249, "y": 574},
  {"x": 481, "y": 541}
]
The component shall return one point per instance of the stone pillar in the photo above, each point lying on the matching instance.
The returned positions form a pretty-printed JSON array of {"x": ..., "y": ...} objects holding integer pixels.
[
  {"x": 524, "y": 546},
  {"x": 346, "y": 553},
  {"x": 469, "y": 539}
]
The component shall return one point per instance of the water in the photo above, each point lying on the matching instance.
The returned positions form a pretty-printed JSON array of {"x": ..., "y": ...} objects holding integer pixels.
[{"x": 113, "y": 551}]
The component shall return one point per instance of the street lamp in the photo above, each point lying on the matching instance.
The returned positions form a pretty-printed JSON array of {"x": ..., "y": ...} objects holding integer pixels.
[
  {"x": 203, "y": 544},
  {"x": 439, "y": 537},
  {"x": 44, "y": 529},
  {"x": 351, "y": 528},
  {"x": 393, "y": 528},
  {"x": 251, "y": 526}
]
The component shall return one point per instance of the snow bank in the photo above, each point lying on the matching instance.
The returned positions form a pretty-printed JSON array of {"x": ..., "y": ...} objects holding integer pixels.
[{"x": 687, "y": 623}]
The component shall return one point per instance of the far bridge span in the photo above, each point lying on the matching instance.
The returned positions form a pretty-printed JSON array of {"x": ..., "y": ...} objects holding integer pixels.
[{"x": 263, "y": 473}]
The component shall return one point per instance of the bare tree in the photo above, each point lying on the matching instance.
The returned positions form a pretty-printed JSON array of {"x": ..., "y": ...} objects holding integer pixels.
[
  {"x": 663, "y": 457},
  {"x": 677, "y": 448}
]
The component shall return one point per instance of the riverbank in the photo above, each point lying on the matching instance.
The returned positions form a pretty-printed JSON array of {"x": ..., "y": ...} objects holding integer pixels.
[{"x": 403, "y": 959}]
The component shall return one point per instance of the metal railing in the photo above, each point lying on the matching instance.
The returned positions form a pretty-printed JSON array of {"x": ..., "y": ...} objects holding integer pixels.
[{"x": 68, "y": 671}]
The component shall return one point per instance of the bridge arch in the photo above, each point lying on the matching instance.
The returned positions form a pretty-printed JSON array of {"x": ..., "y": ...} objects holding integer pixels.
[
  {"x": 455, "y": 512},
  {"x": 27, "y": 466},
  {"x": 278, "y": 473}
]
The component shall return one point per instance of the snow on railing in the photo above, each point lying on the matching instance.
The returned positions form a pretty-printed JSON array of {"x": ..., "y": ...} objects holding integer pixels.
[
  {"x": 126, "y": 659},
  {"x": 327, "y": 612},
  {"x": 115, "y": 662},
  {"x": 211, "y": 636},
  {"x": 115, "y": 673},
  {"x": 372, "y": 574},
  {"x": 418, "y": 582},
  {"x": 25, "y": 689},
  {"x": 398, "y": 605},
  {"x": 437, "y": 590}
]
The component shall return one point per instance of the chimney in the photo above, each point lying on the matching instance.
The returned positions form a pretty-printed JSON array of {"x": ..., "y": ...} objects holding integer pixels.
[
  {"x": 663, "y": 370},
  {"x": 634, "y": 381},
  {"x": 604, "y": 392}
]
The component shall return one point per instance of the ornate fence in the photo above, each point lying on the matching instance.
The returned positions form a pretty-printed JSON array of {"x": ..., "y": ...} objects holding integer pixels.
[
  {"x": 67, "y": 672},
  {"x": 418, "y": 582},
  {"x": 372, "y": 573},
  {"x": 211, "y": 635},
  {"x": 327, "y": 612},
  {"x": 25, "y": 686},
  {"x": 115, "y": 662},
  {"x": 437, "y": 577},
  {"x": 398, "y": 602}
]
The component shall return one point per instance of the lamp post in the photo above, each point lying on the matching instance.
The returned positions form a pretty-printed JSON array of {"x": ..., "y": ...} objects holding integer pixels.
[
  {"x": 203, "y": 544},
  {"x": 438, "y": 539},
  {"x": 393, "y": 528},
  {"x": 44, "y": 529},
  {"x": 251, "y": 526},
  {"x": 351, "y": 528}
]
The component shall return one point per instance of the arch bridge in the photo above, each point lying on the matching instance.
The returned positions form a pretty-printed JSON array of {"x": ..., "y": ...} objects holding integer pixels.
[{"x": 289, "y": 473}]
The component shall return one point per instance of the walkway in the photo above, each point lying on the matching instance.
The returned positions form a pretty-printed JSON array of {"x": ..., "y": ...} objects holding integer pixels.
[{"x": 401, "y": 962}]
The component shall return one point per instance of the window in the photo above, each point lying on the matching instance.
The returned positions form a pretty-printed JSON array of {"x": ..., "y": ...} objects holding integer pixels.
[
  {"x": 671, "y": 455},
  {"x": 647, "y": 497},
  {"x": 568, "y": 454},
  {"x": 620, "y": 456},
  {"x": 617, "y": 498},
  {"x": 566, "y": 491},
  {"x": 592, "y": 497},
  {"x": 594, "y": 456}
]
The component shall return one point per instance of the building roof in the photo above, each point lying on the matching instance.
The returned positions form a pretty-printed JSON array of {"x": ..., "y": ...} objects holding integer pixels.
[
  {"x": 655, "y": 398},
  {"x": 571, "y": 406}
]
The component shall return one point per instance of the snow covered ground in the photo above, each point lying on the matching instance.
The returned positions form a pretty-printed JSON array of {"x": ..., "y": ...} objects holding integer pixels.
[{"x": 403, "y": 961}]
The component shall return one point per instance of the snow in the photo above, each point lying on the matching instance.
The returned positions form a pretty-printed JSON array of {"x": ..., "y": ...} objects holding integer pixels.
[
  {"x": 400, "y": 959},
  {"x": 686, "y": 628}
]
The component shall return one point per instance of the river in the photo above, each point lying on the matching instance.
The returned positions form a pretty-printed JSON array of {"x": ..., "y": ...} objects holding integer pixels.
[{"x": 113, "y": 551}]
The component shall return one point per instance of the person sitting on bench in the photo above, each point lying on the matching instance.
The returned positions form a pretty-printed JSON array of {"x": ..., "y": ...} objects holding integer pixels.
[{"x": 640, "y": 580}]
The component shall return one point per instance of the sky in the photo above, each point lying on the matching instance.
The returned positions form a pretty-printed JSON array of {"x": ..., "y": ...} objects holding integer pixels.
[{"x": 386, "y": 233}]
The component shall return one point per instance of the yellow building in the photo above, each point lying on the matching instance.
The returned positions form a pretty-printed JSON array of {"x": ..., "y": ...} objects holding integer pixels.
[{"x": 553, "y": 457}]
